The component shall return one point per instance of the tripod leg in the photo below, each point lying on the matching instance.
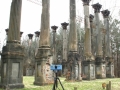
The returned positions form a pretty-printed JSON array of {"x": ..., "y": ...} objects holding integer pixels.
[
  {"x": 54, "y": 84},
  {"x": 61, "y": 84}
]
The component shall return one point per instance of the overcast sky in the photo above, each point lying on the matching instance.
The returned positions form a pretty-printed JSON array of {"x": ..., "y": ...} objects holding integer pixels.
[{"x": 59, "y": 12}]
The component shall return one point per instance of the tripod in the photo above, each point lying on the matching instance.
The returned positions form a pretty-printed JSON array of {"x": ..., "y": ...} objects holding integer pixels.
[{"x": 55, "y": 85}]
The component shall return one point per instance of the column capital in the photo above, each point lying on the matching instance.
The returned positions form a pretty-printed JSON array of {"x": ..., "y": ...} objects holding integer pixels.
[
  {"x": 6, "y": 31},
  {"x": 30, "y": 36},
  {"x": 21, "y": 34},
  {"x": 105, "y": 13},
  {"x": 86, "y": 2},
  {"x": 91, "y": 17},
  {"x": 37, "y": 33},
  {"x": 64, "y": 25},
  {"x": 54, "y": 28},
  {"x": 97, "y": 7}
]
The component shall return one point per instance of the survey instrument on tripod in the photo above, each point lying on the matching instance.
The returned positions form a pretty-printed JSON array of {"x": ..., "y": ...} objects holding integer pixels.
[{"x": 55, "y": 69}]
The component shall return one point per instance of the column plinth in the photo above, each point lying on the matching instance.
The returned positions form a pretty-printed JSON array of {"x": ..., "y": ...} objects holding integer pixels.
[{"x": 12, "y": 54}]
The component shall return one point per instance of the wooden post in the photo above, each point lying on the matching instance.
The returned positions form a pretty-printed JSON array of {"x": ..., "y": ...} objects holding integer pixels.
[
  {"x": 109, "y": 85},
  {"x": 75, "y": 88}
]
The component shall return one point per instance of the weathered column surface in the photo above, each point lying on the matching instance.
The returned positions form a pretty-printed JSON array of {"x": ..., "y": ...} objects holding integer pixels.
[
  {"x": 97, "y": 8},
  {"x": 37, "y": 38},
  {"x": 107, "y": 31},
  {"x": 65, "y": 40},
  {"x": 88, "y": 63},
  {"x": 14, "y": 24},
  {"x": 45, "y": 24},
  {"x": 65, "y": 47},
  {"x": 99, "y": 61},
  {"x": 73, "y": 61},
  {"x": 73, "y": 30},
  {"x": 12, "y": 53},
  {"x": 108, "y": 54},
  {"x": 91, "y": 17},
  {"x": 54, "y": 44},
  {"x": 87, "y": 42},
  {"x": 43, "y": 59}
]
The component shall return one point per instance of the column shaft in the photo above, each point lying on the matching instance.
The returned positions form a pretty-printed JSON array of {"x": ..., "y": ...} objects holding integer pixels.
[
  {"x": 14, "y": 24},
  {"x": 107, "y": 38},
  {"x": 99, "y": 36},
  {"x": 73, "y": 31},
  {"x": 45, "y": 24},
  {"x": 65, "y": 45},
  {"x": 87, "y": 42}
]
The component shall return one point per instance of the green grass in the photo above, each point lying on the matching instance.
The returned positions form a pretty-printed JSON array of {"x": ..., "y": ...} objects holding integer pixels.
[{"x": 82, "y": 85}]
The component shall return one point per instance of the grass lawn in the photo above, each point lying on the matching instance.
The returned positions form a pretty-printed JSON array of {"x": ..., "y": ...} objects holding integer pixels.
[{"x": 82, "y": 85}]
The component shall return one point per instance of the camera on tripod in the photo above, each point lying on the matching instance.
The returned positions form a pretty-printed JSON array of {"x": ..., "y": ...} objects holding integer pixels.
[{"x": 56, "y": 67}]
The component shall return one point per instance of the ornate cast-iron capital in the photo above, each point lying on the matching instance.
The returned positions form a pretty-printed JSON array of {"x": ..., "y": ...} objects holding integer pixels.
[
  {"x": 21, "y": 34},
  {"x": 97, "y": 7},
  {"x": 86, "y": 2},
  {"x": 37, "y": 33},
  {"x": 54, "y": 28},
  {"x": 105, "y": 13},
  {"x": 91, "y": 17},
  {"x": 30, "y": 36},
  {"x": 6, "y": 31},
  {"x": 64, "y": 25}
]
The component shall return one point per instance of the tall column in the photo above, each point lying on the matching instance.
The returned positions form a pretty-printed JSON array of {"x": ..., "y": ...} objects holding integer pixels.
[
  {"x": 88, "y": 63},
  {"x": 65, "y": 42},
  {"x": 108, "y": 54},
  {"x": 37, "y": 38},
  {"x": 73, "y": 62},
  {"x": 100, "y": 62},
  {"x": 12, "y": 53},
  {"x": 43, "y": 58},
  {"x": 54, "y": 44},
  {"x": 92, "y": 34}
]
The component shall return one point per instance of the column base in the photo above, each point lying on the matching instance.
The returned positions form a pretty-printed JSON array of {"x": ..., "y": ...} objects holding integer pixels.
[
  {"x": 73, "y": 67},
  {"x": 42, "y": 84},
  {"x": 110, "y": 71},
  {"x": 12, "y": 66},
  {"x": 88, "y": 70},
  {"x": 12, "y": 86},
  {"x": 100, "y": 68},
  {"x": 43, "y": 73}
]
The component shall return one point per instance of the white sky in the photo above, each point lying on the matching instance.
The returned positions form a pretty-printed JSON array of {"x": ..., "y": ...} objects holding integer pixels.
[{"x": 59, "y": 12}]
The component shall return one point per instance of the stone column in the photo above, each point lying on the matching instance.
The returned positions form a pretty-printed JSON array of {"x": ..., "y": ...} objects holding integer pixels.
[
  {"x": 108, "y": 54},
  {"x": 92, "y": 34},
  {"x": 43, "y": 59},
  {"x": 12, "y": 53},
  {"x": 37, "y": 38},
  {"x": 54, "y": 44},
  {"x": 29, "y": 61},
  {"x": 73, "y": 62},
  {"x": 65, "y": 42},
  {"x": 88, "y": 63},
  {"x": 100, "y": 62},
  {"x": 14, "y": 24}
]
